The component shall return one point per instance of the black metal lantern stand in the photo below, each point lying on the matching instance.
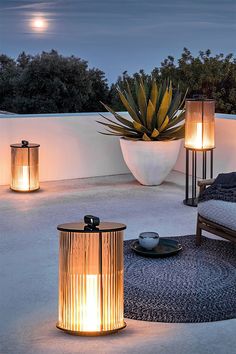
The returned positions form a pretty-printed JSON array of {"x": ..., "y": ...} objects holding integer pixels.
[{"x": 191, "y": 198}]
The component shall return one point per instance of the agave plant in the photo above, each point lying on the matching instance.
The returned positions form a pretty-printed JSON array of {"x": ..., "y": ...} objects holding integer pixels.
[{"x": 156, "y": 114}]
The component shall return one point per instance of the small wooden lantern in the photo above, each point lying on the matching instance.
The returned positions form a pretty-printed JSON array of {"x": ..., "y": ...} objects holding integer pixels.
[
  {"x": 24, "y": 167},
  {"x": 200, "y": 124},
  {"x": 91, "y": 277}
]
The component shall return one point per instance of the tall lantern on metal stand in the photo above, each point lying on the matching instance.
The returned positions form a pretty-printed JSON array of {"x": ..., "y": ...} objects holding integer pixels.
[
  {"x": 199, "y": 137},
  {"x": 25, "y": 167},
  {"x": 91, "y": 277}
]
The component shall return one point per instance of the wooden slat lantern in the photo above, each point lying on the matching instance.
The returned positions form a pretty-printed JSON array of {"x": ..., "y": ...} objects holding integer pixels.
[
  {"x": 200, "y": 124},
  {"x": 91, "y": 277},
  {"x": 25, "y": 167}
]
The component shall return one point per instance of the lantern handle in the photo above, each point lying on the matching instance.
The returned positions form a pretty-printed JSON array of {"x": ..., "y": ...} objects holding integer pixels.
[
  {"x": 91, "y": 222},
  {"x": 24, "y": 143},
  {"x": 199, "y": 97}
]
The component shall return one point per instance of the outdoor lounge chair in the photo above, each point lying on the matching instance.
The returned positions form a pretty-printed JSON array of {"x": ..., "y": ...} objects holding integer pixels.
[{"x": 215, "y": 216}]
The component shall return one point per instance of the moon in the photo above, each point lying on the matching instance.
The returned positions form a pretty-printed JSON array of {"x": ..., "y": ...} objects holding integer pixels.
[{"x": 39, "y": 24}]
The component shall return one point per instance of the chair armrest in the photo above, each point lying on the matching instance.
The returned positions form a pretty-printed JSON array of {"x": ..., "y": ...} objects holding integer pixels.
[{"x": 203, "y": 183}]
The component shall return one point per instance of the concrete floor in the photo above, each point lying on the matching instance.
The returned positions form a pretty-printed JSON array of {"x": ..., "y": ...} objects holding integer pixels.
[{"x": 29, "y": 259}]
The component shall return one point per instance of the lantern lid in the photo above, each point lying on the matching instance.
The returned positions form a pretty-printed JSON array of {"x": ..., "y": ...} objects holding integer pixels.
[
  {"x": 197, "y": 99},
  {"x": 82, "y": 227},
  {"x": 29, "y": 145}
]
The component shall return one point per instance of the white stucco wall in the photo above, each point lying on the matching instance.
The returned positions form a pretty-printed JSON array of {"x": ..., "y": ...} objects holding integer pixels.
[{"x": 72, "y": 148}]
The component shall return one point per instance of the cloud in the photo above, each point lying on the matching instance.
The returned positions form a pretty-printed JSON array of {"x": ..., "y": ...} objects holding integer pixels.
[
  {"x": 22, "y": 6},
  {"x": 81, "y": 20}
]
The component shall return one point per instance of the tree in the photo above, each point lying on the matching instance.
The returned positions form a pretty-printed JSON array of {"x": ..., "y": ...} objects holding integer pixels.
[
  {"x": 99, "y": 91},
  {"x": 212, "y": 76},
  {"x": 50, "y": 83},
  {"x": 8, "y": 76}
]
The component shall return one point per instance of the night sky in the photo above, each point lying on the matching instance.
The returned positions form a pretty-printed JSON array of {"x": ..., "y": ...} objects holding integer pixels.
[{"x": 118, "y": 35}]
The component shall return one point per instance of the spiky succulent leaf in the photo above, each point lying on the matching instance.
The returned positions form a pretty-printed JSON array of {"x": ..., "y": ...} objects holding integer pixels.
[
  {"x": 155, "y": 133},
  {"x": 146, "y": 137},
  {"x": 127, "y": 136},
  {"x": 142, "y": 101},
  {"x": 174, "y": 132},
  {"x": 154, "y": 113},
  {"x": 150, "y": 114},
  {"x": 165, "y": 103},
  {"x": 154, "y": 93},
  {"x": 174, "y": 106},
  {"x": 131, "y": 99},
  {"x": 140, "y": 128},
  {"x": 117, "y": 116},
  {"x": 129, "y": 107},
  {"x": 177, "y": 119},
  {"x": 110, "y": 121},
  {"x": 164, "y": 124},
  {"x": 117, "y": 128}
]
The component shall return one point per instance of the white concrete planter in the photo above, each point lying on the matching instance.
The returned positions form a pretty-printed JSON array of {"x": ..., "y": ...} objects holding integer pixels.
[{"x": 150, "y": 161}]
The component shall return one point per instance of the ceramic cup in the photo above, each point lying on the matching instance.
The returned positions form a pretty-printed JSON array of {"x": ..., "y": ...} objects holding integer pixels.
[{"x": 148, "y": 240}]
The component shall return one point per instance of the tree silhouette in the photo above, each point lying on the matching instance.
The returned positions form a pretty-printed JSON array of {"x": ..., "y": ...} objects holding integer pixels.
[
  {"x": 212, "y": 76},
  {"x": 50, "y": 83}
]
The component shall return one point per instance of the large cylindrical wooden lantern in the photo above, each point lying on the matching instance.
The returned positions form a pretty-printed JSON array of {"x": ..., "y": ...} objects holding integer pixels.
[
  {"x": 25, "y": 167},
  {"x": 91, "y": 277},
  {"x": 199, "y": 137},
  {"x": 200, "y": 124}
]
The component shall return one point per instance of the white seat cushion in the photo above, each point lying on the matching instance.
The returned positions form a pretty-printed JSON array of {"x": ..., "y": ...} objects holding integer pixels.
[{"x": 219, "y": 211}]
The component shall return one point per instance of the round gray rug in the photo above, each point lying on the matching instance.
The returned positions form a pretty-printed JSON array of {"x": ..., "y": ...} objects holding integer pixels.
[{"x": 196, "y": 285}]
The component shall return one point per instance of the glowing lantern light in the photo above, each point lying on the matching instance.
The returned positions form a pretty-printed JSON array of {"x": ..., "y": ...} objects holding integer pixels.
[
  {"x": 24, "y": 167},
  {"x": 91, "y": 277},
  {"x": 200, "y": 124}
]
